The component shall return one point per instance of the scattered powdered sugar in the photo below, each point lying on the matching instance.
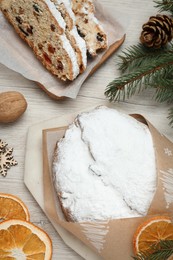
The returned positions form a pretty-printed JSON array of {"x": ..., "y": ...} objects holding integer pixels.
[{"x": 105, "y": 167}]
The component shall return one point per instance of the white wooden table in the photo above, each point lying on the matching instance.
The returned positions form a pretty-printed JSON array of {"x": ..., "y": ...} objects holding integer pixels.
[{"x": 41, "y": 107}]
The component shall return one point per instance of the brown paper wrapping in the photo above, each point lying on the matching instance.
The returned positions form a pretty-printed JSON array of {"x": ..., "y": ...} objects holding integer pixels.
[
  {"x": 16, "y": 55},
  {"x": 111, "y": 239}
]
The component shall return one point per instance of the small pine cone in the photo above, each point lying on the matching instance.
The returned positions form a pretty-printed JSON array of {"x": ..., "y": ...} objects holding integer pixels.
[{"x": 157, "y": 32}]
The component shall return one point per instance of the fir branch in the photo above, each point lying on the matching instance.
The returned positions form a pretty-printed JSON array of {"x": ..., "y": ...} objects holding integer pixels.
[
  {"x": 164, "y": 86},
  {"x": 164, "y": 92},
  {"x": 138, "y": 55},
  {"x": 142, "y": 78},
  {"x": 170, "y": 116},
  {"x": 164, "y": 5},
  {"x": 127, "y": 85},
  {"x": 145, "y": 67},
  {"x": 141, "y": 256},
  {"x": 161, "y": 251}
]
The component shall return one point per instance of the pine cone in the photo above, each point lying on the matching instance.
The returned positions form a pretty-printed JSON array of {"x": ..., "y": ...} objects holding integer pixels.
[{"x": 157, "y": 32}]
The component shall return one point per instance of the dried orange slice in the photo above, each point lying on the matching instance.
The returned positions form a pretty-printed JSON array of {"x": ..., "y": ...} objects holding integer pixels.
[
  {"x": 151, "y": 232},
  {"x": 22, "y": 240},
  {"x": 11, "y": 207}
]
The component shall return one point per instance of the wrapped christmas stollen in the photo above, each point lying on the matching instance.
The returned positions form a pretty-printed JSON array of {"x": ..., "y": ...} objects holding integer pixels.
[{"x": 108, "y": 235}]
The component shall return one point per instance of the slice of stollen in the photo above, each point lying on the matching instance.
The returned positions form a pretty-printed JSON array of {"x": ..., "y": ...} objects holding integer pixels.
[
  {"x": 88, "y": 26},
  {"x": 41, "y": 25},
  {"x": 77, "y": 42}
]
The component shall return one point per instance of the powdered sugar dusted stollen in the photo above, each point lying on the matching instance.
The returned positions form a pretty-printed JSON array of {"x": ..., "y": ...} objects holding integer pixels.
[
  {"x": 77, "y": 42},
  {"x": 104, "y": 167},
  {"x": 41, "y": 25},
  {"x": 88, "y": 26}
]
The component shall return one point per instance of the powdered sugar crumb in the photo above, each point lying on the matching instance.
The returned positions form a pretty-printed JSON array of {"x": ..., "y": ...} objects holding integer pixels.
[{"x": 105, "y": 167}]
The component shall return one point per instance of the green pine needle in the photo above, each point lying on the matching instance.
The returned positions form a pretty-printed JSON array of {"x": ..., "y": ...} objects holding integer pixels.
[
  {"x": 165, "y": 5},
  {"x": 170, "y": 117},
  {"x": 143, "y": 77},
  {"x": 127, "y": 85},
  {"x": 164, "y": 91},
  {"x": 136, "y": 56},
  {"x": 161, "y": 251}
]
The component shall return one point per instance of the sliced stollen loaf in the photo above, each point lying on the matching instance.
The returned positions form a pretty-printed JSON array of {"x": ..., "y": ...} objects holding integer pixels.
[
  {"x": 41, "y": 25},
  {"x": 77, "y": 42},
  {"x": 88, "y": 26},
  {"x": 104, "y": 167}
]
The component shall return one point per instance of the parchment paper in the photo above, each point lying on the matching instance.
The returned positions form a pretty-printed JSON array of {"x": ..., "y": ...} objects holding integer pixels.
[
  {"x": 16, "y": 55},
  {"x": 111, "y": 239}
]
